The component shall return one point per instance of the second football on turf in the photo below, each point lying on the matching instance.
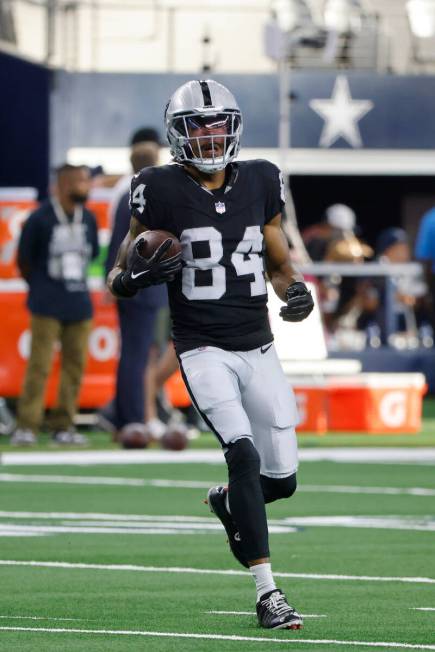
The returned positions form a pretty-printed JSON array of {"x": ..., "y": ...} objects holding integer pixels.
[
  {"x": 175, "y": 438},
  {"x": 135, "y": 435}
]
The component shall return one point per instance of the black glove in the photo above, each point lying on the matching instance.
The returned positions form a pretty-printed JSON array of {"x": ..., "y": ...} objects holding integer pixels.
[
  {"x": 299, "y": 302},
  {"x": 142, "y": 272}
]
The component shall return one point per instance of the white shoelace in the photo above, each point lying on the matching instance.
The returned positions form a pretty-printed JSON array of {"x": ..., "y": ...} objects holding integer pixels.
[{"x": 277, "y": 603}]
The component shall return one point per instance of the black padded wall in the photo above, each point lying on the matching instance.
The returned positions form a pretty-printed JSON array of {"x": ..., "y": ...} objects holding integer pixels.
[{"x": 24, "y": 123}]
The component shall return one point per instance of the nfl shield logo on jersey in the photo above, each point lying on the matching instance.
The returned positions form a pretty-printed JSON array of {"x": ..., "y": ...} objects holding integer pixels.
[{"x": 220, "y": 207}]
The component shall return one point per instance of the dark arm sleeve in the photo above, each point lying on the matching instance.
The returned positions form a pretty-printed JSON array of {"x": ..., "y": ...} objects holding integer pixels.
[
  {"x": 275, "y": 198},
  {"x": 27, "y": 246},
  {"x": 95, "y": 243}
]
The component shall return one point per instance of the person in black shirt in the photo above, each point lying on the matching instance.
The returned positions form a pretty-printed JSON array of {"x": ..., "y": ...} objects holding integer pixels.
[
  {"x": 57, "y": 242},
  {"x": 227, "y": 216}
]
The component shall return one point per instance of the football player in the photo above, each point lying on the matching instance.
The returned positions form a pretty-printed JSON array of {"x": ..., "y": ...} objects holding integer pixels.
[{"x": 227, "y": 216}]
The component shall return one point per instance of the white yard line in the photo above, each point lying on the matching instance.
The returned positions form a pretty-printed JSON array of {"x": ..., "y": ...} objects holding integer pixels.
[
  {"x": 200, "y": 484},
  {"x": 209, "y": 571},
  {"x": 369, "y": 455},
  {"x": 253, "y": 613},
  {"x": 95, "y": 480},
  {"x": 231, "y": 613},
  {"x": 221, "y": 637},
  {"x": 12, "y": 532},
  {"x": 351, "y": 489},
  {"x": 89, "y": 523},
  {"x": 143, "y": 524},
  {"x": 102, "y": 516},
  {"x": 384, "y": 455},
  {"x": 423, "y": 608},
  {"x": 86, "y": 458},
  {"x": 205, "y": 523},
  {"x": 117, "y": 524},
  {"x": 41, "y": 618},
  {"x": 387, "y": 522},
  {"x": 28, "y": 530}
]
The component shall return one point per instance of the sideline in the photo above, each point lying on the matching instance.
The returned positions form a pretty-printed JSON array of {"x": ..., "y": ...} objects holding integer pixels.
[{"x": 199, "y": 456}]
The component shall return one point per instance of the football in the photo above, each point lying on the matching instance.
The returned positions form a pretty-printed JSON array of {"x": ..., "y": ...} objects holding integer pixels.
[
  {"x": 175, "y": 438},
  {"x": 150, "y": 241},
  {"x": 135, "y": 435}
]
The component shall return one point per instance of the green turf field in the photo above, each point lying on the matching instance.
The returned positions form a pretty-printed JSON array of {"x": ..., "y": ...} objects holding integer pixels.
[
  {"x": 146, "y": 567},
  {"x": 426, "y": 437}
]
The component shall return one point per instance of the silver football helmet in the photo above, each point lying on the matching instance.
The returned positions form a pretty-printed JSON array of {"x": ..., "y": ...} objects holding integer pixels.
[{"x": 201, "y": 107}]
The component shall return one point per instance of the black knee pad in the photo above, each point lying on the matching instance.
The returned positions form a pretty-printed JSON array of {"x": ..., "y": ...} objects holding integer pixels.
[
  {"x": 276, "y": 488},
  {"x": 242, "y": 459}
]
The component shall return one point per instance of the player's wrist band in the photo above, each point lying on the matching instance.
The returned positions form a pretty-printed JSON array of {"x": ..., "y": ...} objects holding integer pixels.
[{"x": 120, "y": 289}]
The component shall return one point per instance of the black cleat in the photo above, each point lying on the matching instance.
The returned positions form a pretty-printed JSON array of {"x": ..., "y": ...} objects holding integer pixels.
[
  {"x": 274, "y": 612},
  {"x": 216, "y": 502}
]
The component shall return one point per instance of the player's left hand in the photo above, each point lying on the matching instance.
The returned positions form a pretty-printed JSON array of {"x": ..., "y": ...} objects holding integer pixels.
[{"x": 299, "y": 302}]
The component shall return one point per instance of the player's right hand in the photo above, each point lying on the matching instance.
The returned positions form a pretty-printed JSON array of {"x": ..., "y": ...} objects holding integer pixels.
[{"x": 142, "y": 272}]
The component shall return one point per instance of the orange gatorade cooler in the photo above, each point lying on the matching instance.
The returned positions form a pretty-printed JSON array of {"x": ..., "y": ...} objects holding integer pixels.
[
  {"x": 311, "y": 399},
  {"x": 376, "y": 403},
  {"x": 176, "y": 391}
]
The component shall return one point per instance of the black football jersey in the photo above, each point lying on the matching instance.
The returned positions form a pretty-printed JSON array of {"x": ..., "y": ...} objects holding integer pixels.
[{"x": 219, "y": 298}]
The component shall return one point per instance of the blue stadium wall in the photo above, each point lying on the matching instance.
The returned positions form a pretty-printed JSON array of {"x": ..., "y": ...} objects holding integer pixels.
[
  {"x": 101, "y": 109},
  {"x": 44, "y": 113},
  {"x": 115, "y": 104},
  {"x": 24, "y": 123}
]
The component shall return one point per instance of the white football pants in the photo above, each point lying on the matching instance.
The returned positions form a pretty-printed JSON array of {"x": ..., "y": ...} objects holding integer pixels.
[{"x": 245, "y": 394}]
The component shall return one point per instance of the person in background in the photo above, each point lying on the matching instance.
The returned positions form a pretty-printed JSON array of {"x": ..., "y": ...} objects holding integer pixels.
[
  {"x": 137, "y": 317},
  {"x": 162, "y": 363},
  {"x": 339, "y": 222},
  {"x": 353, "y": 293},
  {"x": 57, "y": 242},
  {"x": 334, "y": 240},
  {"x": 144, "y": 146},
  {"x": 407, "y": 309},
  {"x": 425, "y": 253}
]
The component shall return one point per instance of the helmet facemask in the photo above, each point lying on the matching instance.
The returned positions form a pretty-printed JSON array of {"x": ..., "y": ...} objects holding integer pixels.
[{"x": 208, "y": 152}]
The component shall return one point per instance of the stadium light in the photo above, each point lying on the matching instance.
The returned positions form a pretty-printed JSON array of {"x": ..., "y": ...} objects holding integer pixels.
[
  {"x": 343, "y": 16},
  {"x": 421, "y": 14},
  {"x": 291, "y": 14}
]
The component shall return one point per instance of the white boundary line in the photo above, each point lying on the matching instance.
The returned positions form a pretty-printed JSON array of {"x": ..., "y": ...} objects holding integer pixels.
[
  {"x": 423, "y": 608},
  {"x": 208, "y": 571},
  {"x": 200, "y": 484},
  {"x": 221, "y": 637},
  {"x": 355, "y": 455}
]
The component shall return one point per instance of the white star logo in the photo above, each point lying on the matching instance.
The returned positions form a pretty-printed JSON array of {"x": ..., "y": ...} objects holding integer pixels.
[{"x": 341, "y": 114}]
